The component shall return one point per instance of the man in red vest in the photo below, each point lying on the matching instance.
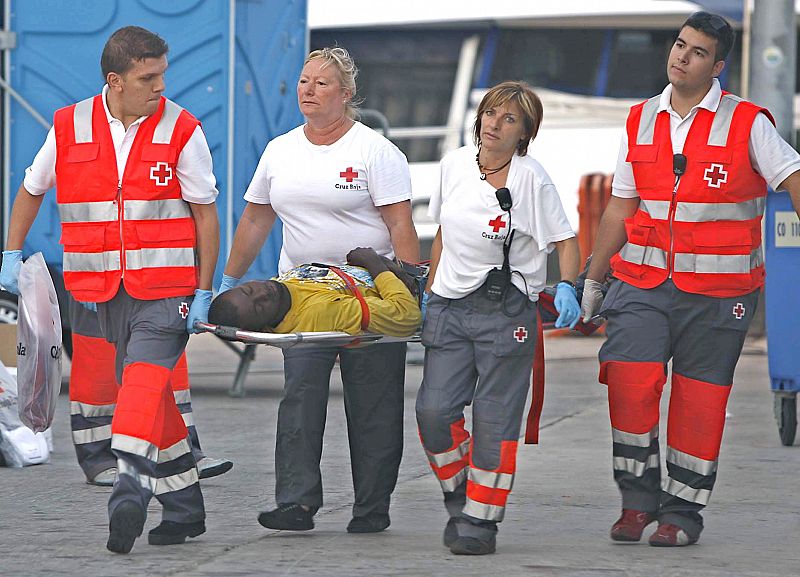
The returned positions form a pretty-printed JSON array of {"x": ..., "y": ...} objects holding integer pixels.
[
  {"x": 683, "y": 235},
  {"x": 136, "y": 196}
]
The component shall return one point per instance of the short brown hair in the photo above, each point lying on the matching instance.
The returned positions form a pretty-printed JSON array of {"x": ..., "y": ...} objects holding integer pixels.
[
  {"x": 530, "y": 105},
  {"x": 129, "y": 44}
]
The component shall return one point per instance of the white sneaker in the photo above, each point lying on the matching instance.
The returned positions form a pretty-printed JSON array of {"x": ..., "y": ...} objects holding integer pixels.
[
  {"x": 104, "y": 478},
  {"x": 208, "y": 467}
]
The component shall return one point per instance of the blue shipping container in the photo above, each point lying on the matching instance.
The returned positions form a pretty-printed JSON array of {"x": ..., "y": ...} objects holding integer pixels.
[{"x": 233, "y": 64}]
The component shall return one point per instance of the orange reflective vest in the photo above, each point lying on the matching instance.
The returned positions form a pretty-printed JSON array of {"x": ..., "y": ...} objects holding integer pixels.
[
  {"x": 706, "y": 232},
  {"x": 138, "y": 230}
]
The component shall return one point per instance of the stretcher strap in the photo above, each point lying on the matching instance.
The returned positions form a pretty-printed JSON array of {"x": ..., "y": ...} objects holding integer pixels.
[
  {"x": 537, "y": 388},
  {"x": 351, "y": 286}
]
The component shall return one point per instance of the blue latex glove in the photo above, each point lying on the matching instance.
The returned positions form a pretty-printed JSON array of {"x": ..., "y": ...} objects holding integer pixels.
[
  {"x": 199, "y": 309},
  {"x": 424, "y": 305},
  {"x": 228, "y": 282},
  {"x": 566, "y": 301},
  {"x": 89, "y": 306},
  {"x": 9, "y": 273}
]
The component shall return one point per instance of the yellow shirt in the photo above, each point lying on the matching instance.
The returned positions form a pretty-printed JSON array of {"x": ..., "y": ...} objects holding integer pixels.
[{"x": 319, "y": 307}]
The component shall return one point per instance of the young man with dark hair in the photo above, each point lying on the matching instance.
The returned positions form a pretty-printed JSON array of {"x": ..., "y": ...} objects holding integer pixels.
[
  {"x": 136, "y": 196},
  {"x": 682, "y": 235}
]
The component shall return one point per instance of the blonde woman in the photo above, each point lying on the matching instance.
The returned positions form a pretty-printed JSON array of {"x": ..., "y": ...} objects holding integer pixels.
[{"x": 335, "y": 184}]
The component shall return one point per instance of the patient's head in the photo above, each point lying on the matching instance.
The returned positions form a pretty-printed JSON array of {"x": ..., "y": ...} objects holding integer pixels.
[{"x": 252, "y": 306}]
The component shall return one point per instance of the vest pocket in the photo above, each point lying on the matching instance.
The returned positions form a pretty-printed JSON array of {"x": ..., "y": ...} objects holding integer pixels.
[
  {"x": 82, "y": 237},
  {"x": 157, "y": 232},
  {"x": 83, "y": 152}
]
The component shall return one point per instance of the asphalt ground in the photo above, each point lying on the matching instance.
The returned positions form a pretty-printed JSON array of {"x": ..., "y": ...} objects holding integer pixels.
[{"x": 563, "y": 503}]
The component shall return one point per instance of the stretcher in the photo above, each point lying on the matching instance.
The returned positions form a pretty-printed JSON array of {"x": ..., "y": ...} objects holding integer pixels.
[{"x": 250, "y": 339}]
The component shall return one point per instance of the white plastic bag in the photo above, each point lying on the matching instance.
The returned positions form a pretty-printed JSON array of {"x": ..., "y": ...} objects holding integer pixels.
[
  {"x": 38, "y": 345},
  {"x": 19, "y": 446}
]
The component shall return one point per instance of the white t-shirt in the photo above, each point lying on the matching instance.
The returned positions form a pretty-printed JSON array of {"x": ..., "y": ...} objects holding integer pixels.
[
  {"x": 194, "y": 168},
  {"x": 328, "y": 196},
  {"x": 474, "y": 226},
  {"x": 771, "y": 156}
]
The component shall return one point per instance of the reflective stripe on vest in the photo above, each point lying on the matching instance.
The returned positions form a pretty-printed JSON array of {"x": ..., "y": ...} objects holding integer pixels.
[
  {"x": 156, "y": 209},
  {"x": 647, "y": 122},
  {"x": 718, "y": 136},
  {"x": 718, "y": 263},
  {"x": 166, "y": 124},
  {"x": 158, "y": 258},
  {"x": 82, "y": 120},
  {"x": 646, "y": 255},
  {"x": 102, "y": 211},
  {"x": 91, "y": 261},
  {"x": 705, "y": 211}
]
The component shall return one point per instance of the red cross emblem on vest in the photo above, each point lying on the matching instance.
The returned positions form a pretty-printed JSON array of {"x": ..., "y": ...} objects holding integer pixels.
[
  {"x": 497, "y": 224},
  {"x": 715, "y": 175},
  {"x": 183, "y": 310},
  {"x": 349, "y": 174},
  {"x": 161, "y": 173},
  {"x": 738, "y": 310},
  {"x": 520, "y": 334}
]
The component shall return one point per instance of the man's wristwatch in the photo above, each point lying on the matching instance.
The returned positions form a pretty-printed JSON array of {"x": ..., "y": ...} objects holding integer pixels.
[{"x": 569, "y": 282}]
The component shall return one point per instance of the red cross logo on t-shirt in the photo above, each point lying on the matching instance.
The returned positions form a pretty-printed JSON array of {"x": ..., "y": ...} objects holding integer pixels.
[
  {"x": 738, "y": 310},
  {"x": 349, "y": 174},
  {"x": 497, "y": 224},
  {"x": 715, "y": 175},
  {"x": 520, "y": 334},
  {"x": 161, "y": 173},
  {"x": 183, "y": 310}
]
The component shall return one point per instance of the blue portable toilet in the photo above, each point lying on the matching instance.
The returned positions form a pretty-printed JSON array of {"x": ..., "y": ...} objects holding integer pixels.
[
  {"x": 783, "y": 309},
  {"x": 233, "y": 64}
]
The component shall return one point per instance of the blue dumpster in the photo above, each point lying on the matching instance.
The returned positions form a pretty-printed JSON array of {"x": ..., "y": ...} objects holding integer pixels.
[{"x": 783, "y": 309}]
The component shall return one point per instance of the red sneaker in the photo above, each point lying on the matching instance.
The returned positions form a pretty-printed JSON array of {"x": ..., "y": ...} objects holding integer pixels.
[
  {"x": 669, "y": 535},
  {"x": 630, "y": 525}
]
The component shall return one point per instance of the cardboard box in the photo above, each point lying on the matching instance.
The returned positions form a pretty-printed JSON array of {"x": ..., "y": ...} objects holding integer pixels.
[{"x": 8, "y": 344}]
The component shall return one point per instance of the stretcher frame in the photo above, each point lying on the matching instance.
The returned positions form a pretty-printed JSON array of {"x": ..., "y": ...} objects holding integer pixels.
[{"x": 251, "y": 339}]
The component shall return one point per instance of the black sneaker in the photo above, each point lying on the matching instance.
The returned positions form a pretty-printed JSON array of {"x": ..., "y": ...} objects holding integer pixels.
[
  {"x": 369, "y": 523},
  {"x": 290, "y": 517},
  {"x": 125, "y": 525},
  {"x": 473, "y": 546},
  {"x": 450, "y": 532},
  {"x": 172, "y": 533}
]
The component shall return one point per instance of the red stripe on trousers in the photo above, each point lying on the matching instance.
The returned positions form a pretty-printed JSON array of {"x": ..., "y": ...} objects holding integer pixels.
[
  {"x": 487, "y": 495},
  {"x": 508, "y": 464},
  {"x": 146, "y": 407},
  {"x": 459, "y": 434},
  {"x": 92, "y": 378},
  {"x": 634, "y": 392},
  {"x": 696, "y": 416}
]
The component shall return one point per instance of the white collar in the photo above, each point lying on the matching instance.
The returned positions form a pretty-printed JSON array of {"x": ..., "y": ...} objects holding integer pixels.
[
  {"x": 111, "y": 118},
  {"x": 710, "y": 101}
]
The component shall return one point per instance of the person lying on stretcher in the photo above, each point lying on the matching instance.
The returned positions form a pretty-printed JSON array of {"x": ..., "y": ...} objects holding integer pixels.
[{"x": 316, "y": 297}]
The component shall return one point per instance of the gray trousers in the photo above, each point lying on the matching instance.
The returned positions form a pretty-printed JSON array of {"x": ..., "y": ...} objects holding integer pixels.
[
  {"x": 475, "y": 353},
  {"x": 149, "y": 437},
  {"x": 91, "y": 430},
  {"x": 373, "y": 379},
  {"x": 703, "y": 336}
]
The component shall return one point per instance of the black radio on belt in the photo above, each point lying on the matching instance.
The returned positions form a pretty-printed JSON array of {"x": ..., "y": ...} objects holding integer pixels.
[{"x": 498, "y": 279}]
